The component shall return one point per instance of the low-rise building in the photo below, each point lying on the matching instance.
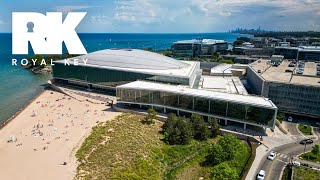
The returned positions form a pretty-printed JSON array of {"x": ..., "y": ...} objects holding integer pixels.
[
  {"x": 198, "y": 47},
  {"x": 294, "y": 89},
  {"x": 309, "y": 53},
  {"x": 250, "y": 51},
  {"x": 146, "y": 80}
]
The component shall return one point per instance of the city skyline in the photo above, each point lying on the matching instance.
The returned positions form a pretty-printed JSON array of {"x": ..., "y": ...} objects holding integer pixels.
[{"x": 154, "y": 16}]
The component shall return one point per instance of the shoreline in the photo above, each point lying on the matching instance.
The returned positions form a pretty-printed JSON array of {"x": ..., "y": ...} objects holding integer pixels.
[
  {"x": 47, "y": 133},
  {"x": 6, "y": 122}
]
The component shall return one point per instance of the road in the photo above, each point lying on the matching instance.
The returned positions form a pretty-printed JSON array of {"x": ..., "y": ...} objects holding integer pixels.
[{"x": 273, "y": 168}]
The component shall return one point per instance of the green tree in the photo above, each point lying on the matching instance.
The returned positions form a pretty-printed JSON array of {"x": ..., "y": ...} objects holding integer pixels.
[
  {"x": 216, "y": 155},
  {"x": 223, "y": 171},
  {"x": 177, "y": 130},
  {"x": 316, "y": 149},
  {"x": 185, "y": 127},
  {"x": 229, "y": 144},
  {"x": 280, "y": 117},
  {"x": 214, "y": 127},
  {"x": 149, "y": 118},
  {"x": 170, "y": 122},
  {"x": 200, "y": 128}
]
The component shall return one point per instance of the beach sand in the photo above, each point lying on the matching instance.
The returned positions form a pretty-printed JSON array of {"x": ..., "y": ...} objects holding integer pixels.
[{"x": 48, "y": 133}]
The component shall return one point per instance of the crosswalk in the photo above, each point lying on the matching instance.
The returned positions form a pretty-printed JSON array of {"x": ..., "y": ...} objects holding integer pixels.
[{"x": 283, "y": 157}]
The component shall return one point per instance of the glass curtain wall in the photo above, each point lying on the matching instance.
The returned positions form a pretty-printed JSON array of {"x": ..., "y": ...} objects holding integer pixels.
[{"x": 242, "y": 112}]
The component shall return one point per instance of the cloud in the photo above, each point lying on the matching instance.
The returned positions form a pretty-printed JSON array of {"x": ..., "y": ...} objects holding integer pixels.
[
  {"x": 2, "y": 22},
  {"x": 200, "y": 15},
  {"x": 100, "y": 19},
  {"x": 66, "y": 9},
  {"x": 225, "y": 13},
  {"x": 136, "y": 11}
]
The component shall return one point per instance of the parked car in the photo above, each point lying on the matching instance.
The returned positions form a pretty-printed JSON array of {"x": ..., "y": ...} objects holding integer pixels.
[
  {"x": 306, "y": 141},
  {"x": 290, "y": 119},
  {"x": 272, "y": 156},
  {"x": 296, "y": 163},
  {"x": 291, "y": 65},
  {"x": 261, "y": 175}
]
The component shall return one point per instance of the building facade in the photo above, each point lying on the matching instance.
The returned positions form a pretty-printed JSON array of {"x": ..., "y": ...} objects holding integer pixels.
[
  {"x": 113, "y": 67},
  {"x": 198, "y": 47},
  {"x": 290, "y": 92},
  {"x": 181, "y": 101}
]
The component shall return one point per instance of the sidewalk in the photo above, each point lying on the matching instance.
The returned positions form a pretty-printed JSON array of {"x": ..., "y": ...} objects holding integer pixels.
[{"x": 274, "y": 139}]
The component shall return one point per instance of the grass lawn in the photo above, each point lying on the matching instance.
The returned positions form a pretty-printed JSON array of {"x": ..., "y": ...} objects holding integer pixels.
[
  {"x": 309, "y": 156},
  {"x": 305, "y": 129},
  {"x": 305, "y": 173},
  {"x": 125, "y": 148}
]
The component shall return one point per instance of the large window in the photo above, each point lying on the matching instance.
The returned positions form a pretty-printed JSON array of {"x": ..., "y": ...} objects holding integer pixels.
[
  {"x": 201, "y": 104},
  {"x": 157, "y": 98},
  {"x": 144, "y": 96},
  {"x": 236, "y": 110},
  {"x": 218, "y": 107},
  {"x": 260, "y": 115},
  {"x": 185, "y": 102},
  {"x": 170, "y": 99},
  {"x": 128, "y": 95}
]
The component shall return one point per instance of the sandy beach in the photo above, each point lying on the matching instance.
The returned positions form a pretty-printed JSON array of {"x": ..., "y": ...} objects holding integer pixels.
[{"x": 46, "y": 135}]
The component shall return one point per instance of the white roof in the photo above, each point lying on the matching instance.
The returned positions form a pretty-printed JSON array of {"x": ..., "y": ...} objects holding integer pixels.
[
  {"x": 200, "y": 41},
  {"x": 243, "y": 99},
  {"x": 223, "y": 84},
  {"x": 135, "y": 60},
  {"x": 221, "y": 69}
]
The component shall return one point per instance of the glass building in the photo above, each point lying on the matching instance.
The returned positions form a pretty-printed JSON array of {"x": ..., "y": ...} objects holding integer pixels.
[
  {"x": 113, "y": 67},
  {"x": 251, "y": 110}
]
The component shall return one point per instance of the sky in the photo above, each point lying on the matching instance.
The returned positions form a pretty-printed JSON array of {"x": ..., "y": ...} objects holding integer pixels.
[{"x": 175, "y": 16}]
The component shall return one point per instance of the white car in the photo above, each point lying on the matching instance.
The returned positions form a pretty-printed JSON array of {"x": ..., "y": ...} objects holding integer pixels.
[
  {"x": 272, "y": 156},
  {"x": 290, "y": 119},
  {"x": 261, "y": 175},
  {"x": 296, "y": 163}
]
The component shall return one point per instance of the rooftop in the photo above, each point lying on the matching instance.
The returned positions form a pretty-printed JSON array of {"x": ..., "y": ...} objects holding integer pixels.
[
  {"x": 236, "y": 98},
  {"x": 221, "y": 69},
  {"x": 279, "y": 74},
  {"x": 230, "y": 85},
  {"x": 200, "y": 41},
  {"x": 302, "y": 48},
  {"x": 134, "y": 60}
]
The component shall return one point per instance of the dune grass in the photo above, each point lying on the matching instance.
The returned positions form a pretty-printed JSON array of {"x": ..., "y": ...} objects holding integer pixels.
[
  {"x": 306, "y": 173},
  {"x": 125, "y": 148}
]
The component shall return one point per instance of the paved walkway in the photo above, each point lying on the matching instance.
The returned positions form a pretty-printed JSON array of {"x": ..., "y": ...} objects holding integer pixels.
[{"x": 274, "y": 139}]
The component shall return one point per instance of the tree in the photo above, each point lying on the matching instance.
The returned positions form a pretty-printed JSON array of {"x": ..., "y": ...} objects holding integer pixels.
[
  {"x": 185, "y": 127},
  {"x": 214, "y": 127},
  {"x": 316, "y": 149},
  {"x": 149, "y": 118},
  {"x": 223, "y": 171},
  {"x": 170, "y": 122},
  {"x": 229, "y": 144},
  {"x": 280, "y": 117},
  {"x": 177, "y": 130},
  {"x": 216, "y": 155},
  {"x": 200, "y": 128}
]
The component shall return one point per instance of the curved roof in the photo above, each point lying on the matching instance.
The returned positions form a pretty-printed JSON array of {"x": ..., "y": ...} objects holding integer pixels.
[{"x": 133, "y": 59}]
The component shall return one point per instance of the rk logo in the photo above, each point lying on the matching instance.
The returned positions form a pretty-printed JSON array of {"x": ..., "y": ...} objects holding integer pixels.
[{"x": 46, "y": 33}]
